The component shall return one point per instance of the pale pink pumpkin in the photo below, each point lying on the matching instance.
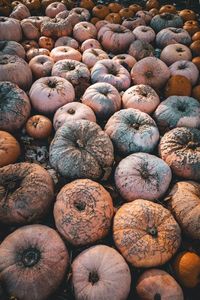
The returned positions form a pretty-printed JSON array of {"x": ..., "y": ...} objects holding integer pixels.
[
  {"x": 175, "y": 52},
  {"x": 83, "y": 13},
  {"x": 54, "y": 8},
  {"x": 185, "y": 68},
  {"x": 89, "y": 44},
  {"x": 91, "y": 56},
  {"x": 144, "y": 33},
  {"x": 20, "y": 12},
  {"x": 132, "y": 23},
  {"x": 140, "y": 49},
  {"x": 67, "y": 41},
  {"x": 10, "y": 29},
  {"x": 126, "y": 60},
  {"x": 65, "y": 52},
  {"x": 142, "y": 175},
  {"x": 41, "y": 66},
  {"x": 84, "y": 31},
  {"x": 30, "y": 31},
  {"x": 63, "y": 14},
  {"x": 145, "y": 15}
]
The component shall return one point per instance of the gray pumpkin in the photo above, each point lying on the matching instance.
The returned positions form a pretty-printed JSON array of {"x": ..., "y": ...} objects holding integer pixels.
[
  {"x": 172, "y": 35},
  {"x": 165, "y": 20}
]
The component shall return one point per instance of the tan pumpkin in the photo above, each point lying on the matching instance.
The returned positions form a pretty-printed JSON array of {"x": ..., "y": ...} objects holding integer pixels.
[
  {"x": 167, "y": 9},
  {"x": 46, "y": 43},
  {"x": 9, "y": 149},
  {"x": 146, "y": 233},
  {"x": 178, "y": 85},
  {"x": 196, "y": 92},
  {"x": 24, "y": 181},
  {"x": 187, "y": 15},
  {"x": 41, "y": 66},
  {"x": 39, "y": 127},
  {"x": 83, "y": 212},
  {"x": 100, "y": 11},
  {"x": 114, "y": 7},
  {"x": 94, "y": 268},
  {"x": 157, "y": 284},
  {"x": 187, "y": 268},
  {"x": 184, "y": 203}
]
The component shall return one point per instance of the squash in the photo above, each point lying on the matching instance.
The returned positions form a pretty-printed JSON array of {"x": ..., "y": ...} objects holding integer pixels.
[
  {"x": 178, "y": 85},
  {"x": 172, "y": 35},
  {"x": 165, "y": 20},
  {"x": 39, "y": 127},
  {"x": 9, "y": 149}
]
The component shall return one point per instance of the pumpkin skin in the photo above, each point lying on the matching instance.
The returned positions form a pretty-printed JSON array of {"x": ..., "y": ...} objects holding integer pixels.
[
  {"x": 54, "y": 8},
  {"x": 24, "y": 181},
  {"x": 195, "y": 47},
  {"x": 140, "y": 49},
  {"x": 141, "y": 97},
  {"x": 31, "y": 253},
  {"x": 196, "y": 92},
  {"x": 114, "y": 18},
  {"x": 144, "y": 14},
  {"x": 47, "y": 94},
  {"x": 115, "y": 7},
  {"x": 184, "y": 203},
  {"x": 142, "y": 175},
  {"x": 14, "y": 107},
  {"x": 20, "y": 12},
  {"x": 16, "y": 70},
  {"x": 32, "y": 52},
  {"x": 100, "y": 24},
  {"x": 115, "y": 38},
  {"x": 56, "y": 28},
  {"x": 196, "y": 61},
  {"x": 62, "y": 15},
  {"x": 196, "y": 36},
  {"x": 92, "y": 55},
  {"x": 187, "y": 269},
  {"x": 178, "y": 85},
  {"x": 41, "y": 66},
  {"x": 65, "y": 52},
  {"x": 12, "y": 48},
  {"x": 90, "y": 44},
  {"x": 71, "y": 147},
  {"x": 126, "y": 60},
  {"x": 67, "y": 41},
  {"x": 9, "y": 149},
  {"x": 88, "y": 4},
  {"x": 187, "y": 15},
  {"x": 177, "y": 111},
  {"x": 150, "y": 71},
  {"x": 172, "y": 35},
  {"x": 165, "y": 20},
  {"x": 175, "y": 52},
  {"x": 72, "y": 112},
  {"x": 84, "y": 31},
  {"x": 152, "y": 4},
  {"x": 144, "y": 33},
  {"x": 179, "y": 148},
  {"x": 46, "y": 42},
  {"x": 132, "y": 131},
  {"x": 107, "y": 70},
  {"x": 185, "y": 68},
  {"x": 100, "y": 11},
  {"x": 94, "y": 267},
  {"x": 83, "y": 212},
  {"x": 142, "y": 229},
  {"x": 103, "y": 98},
  {"x": 126, "y": 12},
  {"x": 132, "y": 23},
  {"x": 158, "y": 284},
  {"x": 167, "y": 9},
  {"x": 39, "y": 127}
]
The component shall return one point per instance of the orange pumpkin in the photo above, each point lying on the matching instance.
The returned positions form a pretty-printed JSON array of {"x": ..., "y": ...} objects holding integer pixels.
[
  {"x": 195, "y": 47},
  {"x": 115, "y": 7},
  {"x": 167, "y": 9},
  {"x": 100, "y": 11},
  {"x": 113, "y": 18},
  {"x": 187, "y": 269},
  {"x": 88, "y": 4},
  {"x": 152, "y": 4},
  {"x": 196, "y": 61},
  {"x": 191, "y": 26},
  {"x": 126, "y": 13},
  {"x": 187, "y": 15},
  {"x": 178, "y": 85},
  {"x": 196, "y": 36},
  {"x": 196, "y": 91},
  {"x": 39, "y": 127},
  {"x": 94, "y": 20},
  {"x": 135, "y": 7},
  {"x": 9, "y": 149}
]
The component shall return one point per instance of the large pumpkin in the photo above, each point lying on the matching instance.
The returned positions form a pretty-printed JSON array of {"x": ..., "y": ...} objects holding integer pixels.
[
  {"x": 142, "y": 175},
  {"x": 10, "y": 29},
  {"x": 12, "y": 48},
  {"x": 83, "y": 212},
  {"x": 94, "y": 268},
  {"x": 27, "y": 258},
  {"x": 175, "y": 52},
  {"x": 184, "y": 203},
  {"x": 9, "y": 149},
  {"x": 146, "y": 233},
  {"x": 165, "y": 20},
  {"x": 185, "y": 68},
  {"x": 172, "y": 35},
  {"x": 80, "y": 149}
]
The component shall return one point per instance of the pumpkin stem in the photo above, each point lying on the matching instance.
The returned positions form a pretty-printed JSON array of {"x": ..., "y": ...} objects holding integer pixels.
[
  {"x": 71, "y": 111},
  {"x": 152, "y": 231},
  {"x": 80, "y": 205},
  {"x": 30, "y": 257},
  {"x": 93, "y": 277},
  {"x": 80, "y": 144},
  {"x": 157, "y": 296},
  {"x": 52, "y": 84},
  {"x": 149, "y": 74},
  {"x": 179, "y": 50}
]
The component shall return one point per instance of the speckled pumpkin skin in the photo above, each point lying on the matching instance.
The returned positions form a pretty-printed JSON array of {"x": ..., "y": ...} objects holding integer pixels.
[
  {"x": 146, "y": 233},
  {"x": 184, "y": 203},
  {"x": 142, "y": 175},
  {"x": 132, "y": 131},
  {"x": 179, "y": 148},
  {"x": 80, "y": 149},
  {"x": 26, "y": 193},
  {"x": 83, "y": 212},
  {"x": 177, "y": 111}
]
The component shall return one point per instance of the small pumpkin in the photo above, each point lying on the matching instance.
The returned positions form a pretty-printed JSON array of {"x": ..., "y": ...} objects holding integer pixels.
[
  {"x": 115, "y": 7},
  {"x": 196, "y": 61},
  {"x": 39, "y": 127},
  {"x": 46, "y": 42},
  {"x": 152, "y": 4},
  {"x": 54, "y": 8},
  {"x": 178, "y": 85},
  {"x": 167, "y": 9},
  {"x": 91, "y": 56},
  {"x": 100, "y": 11},
  {"x": 196, "y": 92},
  {"x": 9, "y": 149},
  {"x": 113, "y": 18},
  {"x": 90, "y": 44},
  {"x": 41, "y": 66},
  {"x": 175, "y": 52},
  {"x": 140, "y": 49},
  {"x": 88, "y": 4},
  {"x": 126, "y": 12},
  {"x": 187, "y": 268},
  {"x": 195, "y": 47},
  {"x": 135, "y": 7},
  {"x": 126, "y": 60},
  {"x": 191, "y": 26},
  {"x": 66, "y": 41},
  {"x": 187, "y": 15},
  {"x": 196, "y": 36}
]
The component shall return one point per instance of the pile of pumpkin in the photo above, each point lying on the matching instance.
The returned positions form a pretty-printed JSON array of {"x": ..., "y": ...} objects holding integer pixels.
[{"x": 112, "y": 209}]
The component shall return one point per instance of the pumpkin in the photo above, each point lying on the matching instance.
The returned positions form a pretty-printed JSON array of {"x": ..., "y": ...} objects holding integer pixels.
[
  {"x": 187, "y": 268},
  {"x": 179, "y": 148},
  {"x": 16, "y": 70},
  {"x": 196, "y": 92},
  {"x": 142, "y": 175},
  {"x": 54, "y": 8},
  {"x": 10, "y": 29},
  {"x": 24, "y": 181},
  {"x": 100, "y": 24},
  {"x": 32, "y": 4},
  {"x": 83, "y": 212},
  {"x": 150, "y": 71},
  {"x": 47, "y": 94},
  {"x": 158, "y": 284},
  {"x": 30, "y": 31},
  {"x": 173, "y": 53},
  {"x": 177, "y": 111},
  {"x": 89, "y": 44},
  {"x": 103, "y": 98},
  {"x": 115, "y": 7},
  {"x": 144, "y": 33},
  {"x": 141, "y": 97},
  {"x": 28, "y": 44},
  {"x": 185, "y": 68},
  {"x": 45, "y": 3},
  {"x": 152, "y": 4},
  {"x": 115, "y": 38},
  {"x": 144, "y": 14},
  {"x": 165, "y": 20},
  {"x": 126, "y": 12},
  {"x": 172, "y": 35},
  {"x": 191, "y": 26},
  {"x": 32, "y": 52},
  {"x": 56, "y": 28},
  {"x": 94, "y": 20},
  {"x": 132, "y": 23},
  {"x": 41, "y": 66},
  {"x": 146, "y": 233},
  {"x": 65, "y": 52},
  {"x": 195, "y": 47},
  {"x": 94, "y": 267},
  {"x": 14, "y": 106},
  {"x": 100, "y": 11},
  {"x": 135, "y": 7},
  {"x": 66, "y": 41},
  {"x": 62, "y": 14},
  {"x": 84, "y": 14},
  {"x": 39, "y": 127},
  {"x": 88, "y": 4},
  {"x": 126, "y": 60},
  {"x": 9, "y": 149},
  {"x": 91, "y": 56},
  {"x": 12, "y": 48},
  {"x": 71, "y": 112},
  {"x": 81, "y": 149},
  {"x": 46, "y": 43},
  {"x": 187, "y": 15},
  {"x": 167, "y": 9},
  {"x": 83, "y": 31},
  {"x": 140, "y": 49},
  {"x": 196, "y": 61},
  {"x": 113, "y": 18},
  {"x": 31, "y": 253},
  {"x": 20, "y": 12},
  {"x": 107, "y": 70},
  {"x": 196, "y": 36},
  {"x": 178, "y": 85}
]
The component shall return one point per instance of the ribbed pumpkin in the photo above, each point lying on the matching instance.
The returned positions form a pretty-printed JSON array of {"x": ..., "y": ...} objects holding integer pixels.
[
  {"x": 9, "y": 149},
  {"x": 165, "y": 20},
  {"x": 172, "y": 35}
]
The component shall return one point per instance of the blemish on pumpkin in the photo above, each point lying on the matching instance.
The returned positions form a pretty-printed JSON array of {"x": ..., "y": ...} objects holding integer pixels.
[
  {"x": 71, "y": 111},
  {"x": 93, "y": 277},
  {"x": 152, "y": 231},
  {"x": 80, "y": 205},
  {"x": 30, "y": 257}
]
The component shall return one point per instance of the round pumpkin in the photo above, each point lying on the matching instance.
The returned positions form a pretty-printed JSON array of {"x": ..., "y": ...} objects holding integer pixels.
[
  {"x": 187, "y": 15},
  {"x": 178, "y": 85},
  {"x": 90, "y": 44},
  {"x": 195, "y": 47},
  {"x": 164, "y": 20},
  {"x": 88, "y": 4},
  {"x": 187, "y": 268},
  {"x": 100, "y": 11},
  {"x": 167, "y": 9},
  {"x": 113, "y": 18},
  {"x": 179, "y": 148},
  {"x": 65, "y": 52},
  {"x": 39, "y": 127},
  {"x": 172, "y": 35},
  {"x": 196, "y": 92},
  {"x": 126, "y": 12},
  {"x": 84, "y": 31},
  {"x": 126, "y": 60},
  {"x": 196, "y": 36},
  {"x": 185, "y": 68},
  {"x": 114, "y": 7},
  {"x": 12, "y": 48},
  {"x": 196, "y": 61},
  {"x": 10, "y": 29},
  {"x": 191, "y": 26},
  {"x": 32, "y": 252},
  {"x": 32, "y": 52},
  {"x": 184, "y": 203},
  {"x": 9, "y": 149},
  {"x": 83, "y": 212},
  {"x": 146, "y": 233},
  {"x": 67, "y": 41},
  {"x": 80, "y": 149},
  {"x": 140, "y": 49},
  {"x": 94, "y": 267},
  {"x": 92, "y": 55},
  {"x": 175, "y": 52},
  {"x": 41, "y": 66},
  {"x": 152, "y": 4},
  {"x": 46, "y": 43},
  {"x": 158, "y": 284}
]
